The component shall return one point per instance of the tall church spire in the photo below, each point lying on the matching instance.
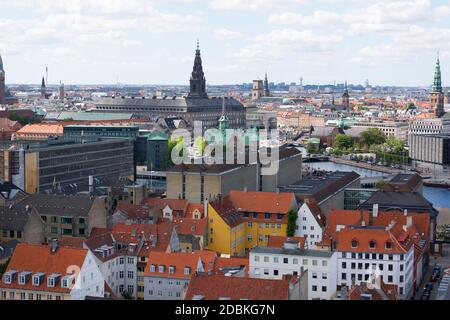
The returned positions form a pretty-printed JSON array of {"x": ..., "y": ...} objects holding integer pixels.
[
  {"x": 198, "y": 81},
  {"x": 1, "y": 63},
  {"x": 437, "y": 84},
  {"x": 2, "y": 83},
  {"x": 43, "y": 91},
  {"x": 266, "y": 86},
  {"x": 346, "y": 97}
]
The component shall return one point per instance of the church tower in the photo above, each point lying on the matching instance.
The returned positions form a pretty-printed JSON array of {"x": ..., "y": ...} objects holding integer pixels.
[
  {"x": 437, "y": 94},
  {"x": 43, "y": 91},
  {"x": 266, "y": 87},
  {"x": 61, "y": 91},
  {"x": 197, "y": 81},
  {"x": 346, "y": 97},
  {"x": 224, "y": 122},
  {"x": 2, "y": 83}
]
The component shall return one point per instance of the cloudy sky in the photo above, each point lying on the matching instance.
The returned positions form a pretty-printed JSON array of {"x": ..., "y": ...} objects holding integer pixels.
[{"x": 153, "y": 41}]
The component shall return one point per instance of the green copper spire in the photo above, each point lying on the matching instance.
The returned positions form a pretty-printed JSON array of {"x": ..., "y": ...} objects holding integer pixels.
[
  {"x": 223, "y": 121},
  {"x": 437, "y": 84}
]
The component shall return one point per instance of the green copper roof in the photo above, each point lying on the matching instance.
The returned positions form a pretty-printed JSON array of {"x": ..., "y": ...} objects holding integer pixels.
[
  {"x": 437, "y": 84},
  {"x": 157, "y": 136}
]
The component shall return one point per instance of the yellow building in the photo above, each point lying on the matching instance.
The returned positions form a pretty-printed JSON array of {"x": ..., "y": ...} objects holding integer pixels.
[
  {"x": 226, "y": 230},
  {"x": 264, "y": 214}
]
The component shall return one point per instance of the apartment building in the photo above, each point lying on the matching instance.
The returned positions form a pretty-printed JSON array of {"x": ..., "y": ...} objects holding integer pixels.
[
  {"x": 167, "y": 275},
  {"x": 22, "y": 224},
  {"x": 290, "y": 259},
  {"x": 393, "y": 129},
  {"x": 41, "y": 272}
]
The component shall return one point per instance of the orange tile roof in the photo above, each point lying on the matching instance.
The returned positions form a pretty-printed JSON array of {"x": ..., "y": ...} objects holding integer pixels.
[
  {"x": 179, "y": 261},
  {"x": 42, "y": 129},
  {"x": 278, "y": 241},
  {"x": 196, "y": 227},
  {"x": 345, "y": 218},
  {"x": 364, "y": 236},
  {"x": 195, "y": 206},
  {"x": 38, "y": 258},
  {"x": 222, "y": 262},
  {"x": 213, "y": 287},
  {"x": 263, "y": 202},
  {"x": 174, "y": 204}
]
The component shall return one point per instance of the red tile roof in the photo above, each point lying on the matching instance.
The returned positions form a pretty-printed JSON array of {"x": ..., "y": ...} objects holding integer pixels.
[
  {"x": 174, "y": 204},
  {"x": 38, "y": 258},
  {"x": 228, "y": 213},
  {"x": 180, "y": 261},
  {"x": 198, "y": 227},
  {"x": 345, "y": 218},
  {"x": 363, "y": 237},
  {"x": 279, "y": 241},
  {"x": 213, "y": 287},
  {"x": 262, "y": 202}
]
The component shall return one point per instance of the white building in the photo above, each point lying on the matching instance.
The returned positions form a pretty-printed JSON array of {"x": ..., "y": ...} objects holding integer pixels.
[
  {"x": 274, "y": 263},
  {"x": 373, "y": 254},
  {"x": 394, "y": 129},
  {"x": 310, "y": 225},
  {"x": 430, "y": 126}
]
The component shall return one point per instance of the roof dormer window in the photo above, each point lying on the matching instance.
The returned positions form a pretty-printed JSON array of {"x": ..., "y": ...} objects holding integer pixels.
[
  {"x": 161, "y": 269},
  {"x": 152, "y": 268},
  {"x": 8, "y": 277},
  {"x": 38, "y": 278},
  {"x": 53, "y": 279},
  {"x": 187, "y": 271},
  {"x": 372, "y": 244},
  {"x": 67, "y": 281},
  {"x": 354, "y": 243},
  {"x": 24, "y": 277},
  {"x": 388, "y": 245}
]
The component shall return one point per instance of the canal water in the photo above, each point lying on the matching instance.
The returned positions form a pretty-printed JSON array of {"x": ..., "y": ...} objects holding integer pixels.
[{"x": 439, "y": 197}]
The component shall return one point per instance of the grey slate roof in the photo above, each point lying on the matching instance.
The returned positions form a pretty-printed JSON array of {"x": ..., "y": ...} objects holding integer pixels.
[
  {"x": 58, "y": 204},
  {"x": 7, "y": 249},
  {"x": 400, "y": 200},
  {"x": 14, "y": 219}
]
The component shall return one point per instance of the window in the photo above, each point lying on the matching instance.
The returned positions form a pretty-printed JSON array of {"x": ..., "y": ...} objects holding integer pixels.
[
  {"x": 54, "y": 219},
  {"x": 344, "y": 265},
  {"x": 390, "y": 267},
  {"x": 38, "y": 296},
  {"x": 121, "y": 274},
  {"x": 275, "y": 259},
  {"x": 22, "y": 296},
  {"x": 295, "y": 261},
  {"x": 121, "y": 260},
  {"x": 187, "y": 270},
  {"x": 344, "y": 276},
  {"x": 266, "y": 272},
  {"x": 360, "y": 277},
  {"x": 249, "y": 238},
  {"x": 285, "y": 260},
  {"x": 11, "y": 296},
  {"x": 257, "y": 258},
  {"x": 250, "y": 224},
  {"x": 354, "y": 244},
  {"x": 324, "y": 289},
  {"x": 372, "y": 245},
  {"x": 305, "y": 262},
  {"x": 390, "y": 278},
  {"x": 324, "y": 263},
  {"x": 267, "y": 225},
  {"x": 279, "y": 216},
  {"x": 266, "y": 259},
  {"x": 130, "y": 289},
  {"x": 324, "y": 276},
  {"x": 267, "y": 216},
  {"x": 304, "y": 218},
  {"x": 314, "y": 288},
  {"x": 401, "y": 279},
  {"x": 402, "y": 266},
  {"x": 161, "y": 269},
  {"x": 255, "y": 215},
  {"x": 388, "y": 245},
  {"x": 278, "y": 225},
  {"x": 30, "y": 296},
  {"x": 353, "y": 265},
  {"x": 314, "y": 262},
  {"x": 275, "y": 272},
  {"x": 121, "y": 288},
  {"x": 130, "y": 274},
  {"x": 3, "y": 295},
  {"x": 152, "y": 268},
  {"x": 314, "y": 275},
  {"x": 130, "y": 260}
]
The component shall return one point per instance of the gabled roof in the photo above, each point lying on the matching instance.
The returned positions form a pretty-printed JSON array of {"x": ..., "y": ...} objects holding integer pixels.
[
  {"x": 228, "y": 213},
  {"x": 215, "y": 287},
  {"x": 363, "y": 236},
  {"x": 174, "y": 204},
  {"x": 189, "y": 226},
  {"x": 279, "y": 241},
  {"x": 38, "y": 258},
  {"x": 345, "y": 218},
  {"x": 262, "y": 202}
]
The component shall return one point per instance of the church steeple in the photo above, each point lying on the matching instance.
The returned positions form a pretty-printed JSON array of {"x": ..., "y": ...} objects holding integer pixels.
[
  {"x": 437, "y": 84},
  {"x": 437, "y": 94},
  {"x": 223, "y": 121},
  {"x": 198, "y": 81},
  {"x": 346, "y": 97},
  {"x": 2, "y": 83},
  {"x": 1, "y": 64},
  {"x": 43, "y": 91},
  {"x": 266, "y": 86}
]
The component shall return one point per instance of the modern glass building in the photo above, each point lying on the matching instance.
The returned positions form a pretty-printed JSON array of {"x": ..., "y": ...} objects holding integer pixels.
[{"x": 353, "y": 198}]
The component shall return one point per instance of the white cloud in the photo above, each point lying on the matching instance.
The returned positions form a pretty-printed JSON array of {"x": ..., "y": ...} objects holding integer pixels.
[
  {"x": 227, "y": 34},
  {"x": 318, "y": 18}
]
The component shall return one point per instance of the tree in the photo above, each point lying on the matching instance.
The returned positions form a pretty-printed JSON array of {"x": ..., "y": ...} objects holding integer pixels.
[
  {"x": 311, "y": 148},
  {"x": 343, "y": 141},
  {"x": 292, "y": 216},
  {"x": 372, "y": 136},
  {"x": 380, "y": 184},
  {"x": 396, "y": 146},
  {"x": 4, "y": 266},
  {"x": 127, "y": 296}
]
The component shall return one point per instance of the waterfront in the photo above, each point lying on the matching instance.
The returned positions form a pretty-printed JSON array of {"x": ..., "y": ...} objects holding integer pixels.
[{"x": 439, "y": 197}]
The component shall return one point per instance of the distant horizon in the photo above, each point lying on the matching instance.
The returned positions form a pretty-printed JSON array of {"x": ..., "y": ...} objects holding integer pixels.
[{"x": 390, "y": 43}]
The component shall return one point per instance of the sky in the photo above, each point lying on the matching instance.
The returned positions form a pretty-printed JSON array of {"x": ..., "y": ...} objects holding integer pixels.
[{"x": 153, "y": 41}]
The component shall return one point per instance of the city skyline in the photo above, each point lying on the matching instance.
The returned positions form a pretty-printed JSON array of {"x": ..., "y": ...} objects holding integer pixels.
[{"x": 387, "y": 42}]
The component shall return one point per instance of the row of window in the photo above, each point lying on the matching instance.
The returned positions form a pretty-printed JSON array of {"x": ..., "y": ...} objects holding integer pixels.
[
  {"x": 267, "y": 216},
  {"x": 172, "y": 269},
  {"x": 29, "y": 296},
  {"x": 286, "y": 260},
  {"x": 159, "y": 293},
  {"x": 12, "y": 234},
  {"x": 365, "y": 266},
  {"x": 359, "y": 277},
  {"x": 373, "y": 256},
  {"x": 268, "y": 225}
]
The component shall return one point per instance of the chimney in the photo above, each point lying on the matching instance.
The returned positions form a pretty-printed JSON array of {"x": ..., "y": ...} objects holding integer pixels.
[
  {"x": 91, "y": 184},
  {"x": 206, "y": 208},
  {"x": 409, "y": 221},
  {"x": 375, "y": 210},
  {"x": 53, "y": 245},
  {"x": 405, "y": 212}
]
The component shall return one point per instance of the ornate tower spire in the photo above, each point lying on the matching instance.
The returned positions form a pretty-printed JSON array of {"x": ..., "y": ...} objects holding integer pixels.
[
  {"x": 43, "y": 91},
  {"x": 437, "y": 84},
  {"x": 266, "y": 86},
  {"x": 2, "y": 83},
  {"x": 346, "y": 97},
  {"x": 198, "y": 81},
  {"x": 437, "y": 94}
]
